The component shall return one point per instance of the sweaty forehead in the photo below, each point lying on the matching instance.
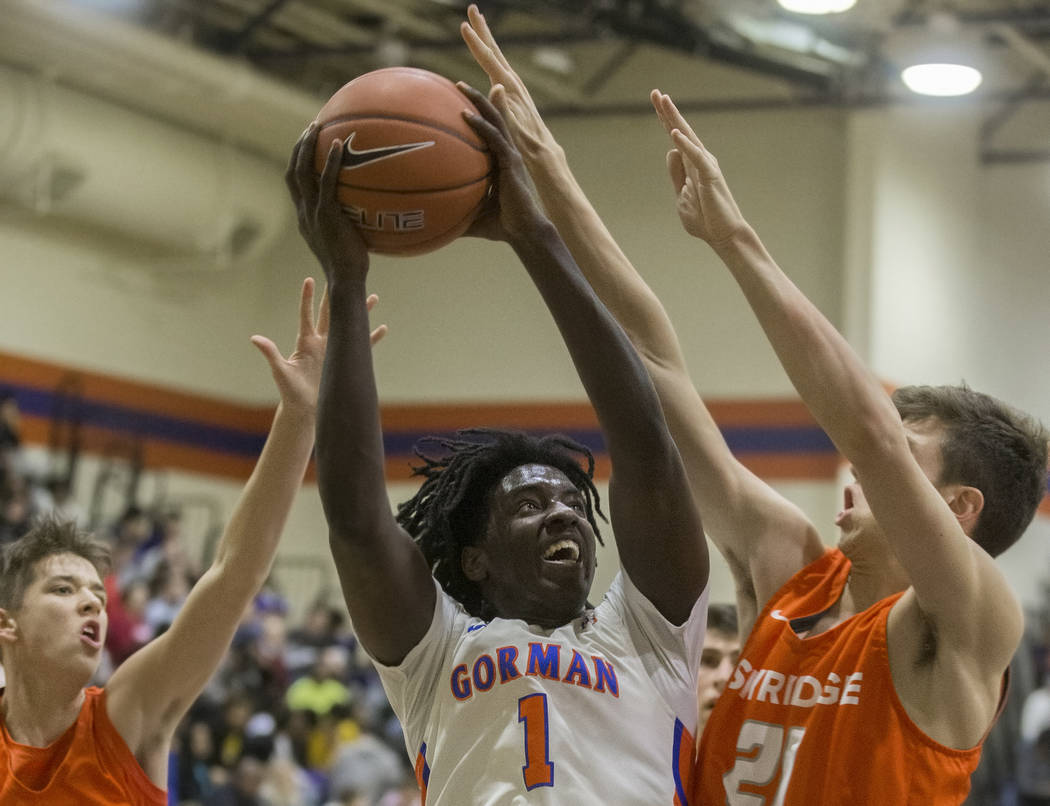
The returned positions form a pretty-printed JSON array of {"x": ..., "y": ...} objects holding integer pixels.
[{"x": 535, "y": 475}]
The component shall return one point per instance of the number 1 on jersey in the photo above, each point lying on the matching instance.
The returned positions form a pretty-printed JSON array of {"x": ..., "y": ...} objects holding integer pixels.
[{"x": 538, "y": 769}]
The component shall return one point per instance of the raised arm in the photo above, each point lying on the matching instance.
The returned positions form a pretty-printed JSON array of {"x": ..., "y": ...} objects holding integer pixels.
[
  {"x": 656, "y": 524},
  {"x": 764, "y": 537},
  {"x": 385, "y": 579},
  {"x": 958, "y": 592},
  {"x": 149, "y": 693}
]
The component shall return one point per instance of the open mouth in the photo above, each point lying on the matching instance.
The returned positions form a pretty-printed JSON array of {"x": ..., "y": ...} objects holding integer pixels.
[
  {"x": 90, "y": 634},
  {"x": 562, "y": 551}
]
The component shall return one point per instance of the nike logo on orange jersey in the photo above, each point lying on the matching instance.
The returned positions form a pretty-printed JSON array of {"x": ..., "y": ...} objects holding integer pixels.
[{"x": 353, "y": 158}]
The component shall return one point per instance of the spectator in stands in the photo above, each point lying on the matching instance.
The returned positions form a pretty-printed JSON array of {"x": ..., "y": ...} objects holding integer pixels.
[
  {"x": 63, "y": 505},
  {"x": 244, "y": 787},
  {"x": 230, "y": 734},
  {"x": 365, "y": 767},
  {"x": 320, "y": 628},
  {"x": 717, "y": 659},
  {"x": 323, "y": 686},
  {"x": 196, "y": 757},
  {"x": 16, "y": 509},
  {"x": 1033, "y": 754},
  {"x": 128, "y": 628},
  {"x": 10, "y": 422},
  {"x": 169, "y": 588}
]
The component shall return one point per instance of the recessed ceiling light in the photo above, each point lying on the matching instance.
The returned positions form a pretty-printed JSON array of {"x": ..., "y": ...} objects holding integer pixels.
[
  {"x": 941, "y": 79},
  {"x": 817, "y": 6}
]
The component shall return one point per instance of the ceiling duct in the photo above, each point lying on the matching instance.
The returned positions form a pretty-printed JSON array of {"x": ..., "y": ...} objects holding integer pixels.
[
  {"x": 113, "y": 126},
  {"x": 105, "y": 57},
  {"x": 70, "y": 155}
]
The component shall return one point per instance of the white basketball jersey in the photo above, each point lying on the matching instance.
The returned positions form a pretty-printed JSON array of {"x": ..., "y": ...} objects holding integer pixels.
[{"x": 599, "y": 711}]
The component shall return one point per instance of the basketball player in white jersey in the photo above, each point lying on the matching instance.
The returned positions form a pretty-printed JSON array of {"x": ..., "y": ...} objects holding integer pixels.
[{"x": 473, "y": 601}]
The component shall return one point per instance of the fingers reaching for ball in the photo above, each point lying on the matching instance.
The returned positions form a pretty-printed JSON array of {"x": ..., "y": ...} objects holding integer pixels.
[{"x": 519, "y": 212}]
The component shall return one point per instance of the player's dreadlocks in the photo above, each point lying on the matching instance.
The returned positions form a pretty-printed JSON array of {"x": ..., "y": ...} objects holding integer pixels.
[{"x": 451, "y": 508}]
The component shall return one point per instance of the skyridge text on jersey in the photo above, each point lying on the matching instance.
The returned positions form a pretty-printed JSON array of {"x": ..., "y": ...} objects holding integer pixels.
[{"x": 805, "y": 691}]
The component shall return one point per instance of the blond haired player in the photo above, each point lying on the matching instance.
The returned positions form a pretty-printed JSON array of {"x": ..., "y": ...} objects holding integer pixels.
[{"x": 872, "y": 671}]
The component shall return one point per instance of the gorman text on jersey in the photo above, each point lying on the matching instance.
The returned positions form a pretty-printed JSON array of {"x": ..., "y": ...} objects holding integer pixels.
[
  {"x": 540, "y": 660},
  {"x": 805, "y": 691}
]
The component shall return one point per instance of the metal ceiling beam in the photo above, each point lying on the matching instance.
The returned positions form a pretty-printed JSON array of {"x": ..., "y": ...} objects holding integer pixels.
[
  {"x": 1019, "y": 18},
  {"x": 871, "y": 101},
  {"x": 1012, "y": 157},
  {"x": 1024, "y": 47},
  {"x": 609, "y": 68},
  {"x": 1008, "y": 107},
  {"x": 235, "y": 42},
  {"x": 451, "y": 43}
]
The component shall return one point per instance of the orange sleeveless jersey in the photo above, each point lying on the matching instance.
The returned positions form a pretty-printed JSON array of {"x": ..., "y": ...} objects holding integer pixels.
[
  {"x": 88, "y": 765},
  {"x": 816, "y": 720}
]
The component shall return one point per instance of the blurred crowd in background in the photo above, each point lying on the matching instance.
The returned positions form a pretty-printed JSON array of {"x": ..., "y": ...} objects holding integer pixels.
[{"x": 295, "y": 716}]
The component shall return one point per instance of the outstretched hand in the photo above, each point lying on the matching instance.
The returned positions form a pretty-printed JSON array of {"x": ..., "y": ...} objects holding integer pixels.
[
  {"x": 327, "y": 230},
  {"x": 512, "y": 211},
  {"x": 706, "y": 207},
  {"x": 527, "y": 129},
  {"x": 299, "y": 375}
]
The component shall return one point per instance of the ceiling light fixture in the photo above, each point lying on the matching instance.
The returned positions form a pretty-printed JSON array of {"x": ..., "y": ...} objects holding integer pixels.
[
  {"x": 943, "y": 59},
  {"x": 817, "y": 6},
  {"x": 943, "y": 80}
]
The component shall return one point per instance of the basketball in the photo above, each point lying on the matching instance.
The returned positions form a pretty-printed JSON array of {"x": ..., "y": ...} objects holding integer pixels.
[{"x": 414, "y": 174}]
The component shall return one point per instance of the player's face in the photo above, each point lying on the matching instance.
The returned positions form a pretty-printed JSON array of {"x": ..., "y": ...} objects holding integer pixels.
[
  {"x": 924, "y": 439},
  {"x": 538, "y": 550},
  {"x": 717, "y": 661},
  {"x": 62, "y": 620}
]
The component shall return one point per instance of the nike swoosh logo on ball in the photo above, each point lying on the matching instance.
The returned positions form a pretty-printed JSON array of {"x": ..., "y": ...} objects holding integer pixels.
[{"x": 352, "y": 158}]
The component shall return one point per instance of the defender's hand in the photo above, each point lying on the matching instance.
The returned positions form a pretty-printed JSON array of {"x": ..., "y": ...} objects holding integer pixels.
[
  {"x": 706, "y": 207},
  {"x": 513, "y": 211},
  {"x": 524, "y": 124},
  {"x": 299, "y": 375}
]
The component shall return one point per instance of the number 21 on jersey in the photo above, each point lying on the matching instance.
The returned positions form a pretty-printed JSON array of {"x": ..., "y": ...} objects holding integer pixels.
[{"x": 763, "y": 753}]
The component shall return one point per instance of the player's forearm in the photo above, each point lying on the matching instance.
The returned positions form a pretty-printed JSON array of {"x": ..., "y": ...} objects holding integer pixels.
[
  {"x": 608, "y": 366},
  {"x": 603, "y": 263},
  {"x": 844, "y": 397},
  {"x": 716, "y": 478},
  {"x": 350, "y": 459},
  {"x": 153, "y": 688},
  {"x": 250, "y": 540}
]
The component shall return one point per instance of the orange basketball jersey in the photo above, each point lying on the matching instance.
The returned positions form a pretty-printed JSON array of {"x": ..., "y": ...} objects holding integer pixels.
[
  {"x": 88, "y": 765},
  {"x": 808, "y": 721}
]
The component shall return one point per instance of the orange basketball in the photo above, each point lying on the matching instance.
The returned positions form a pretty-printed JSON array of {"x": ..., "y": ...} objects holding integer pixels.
[{"x": 414, "y": 173}]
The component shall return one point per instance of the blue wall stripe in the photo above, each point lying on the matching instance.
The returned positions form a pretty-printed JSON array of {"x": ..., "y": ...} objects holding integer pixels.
[
  {"x": 242, "y": 442},
  {"x": 147, "y": 425}
]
